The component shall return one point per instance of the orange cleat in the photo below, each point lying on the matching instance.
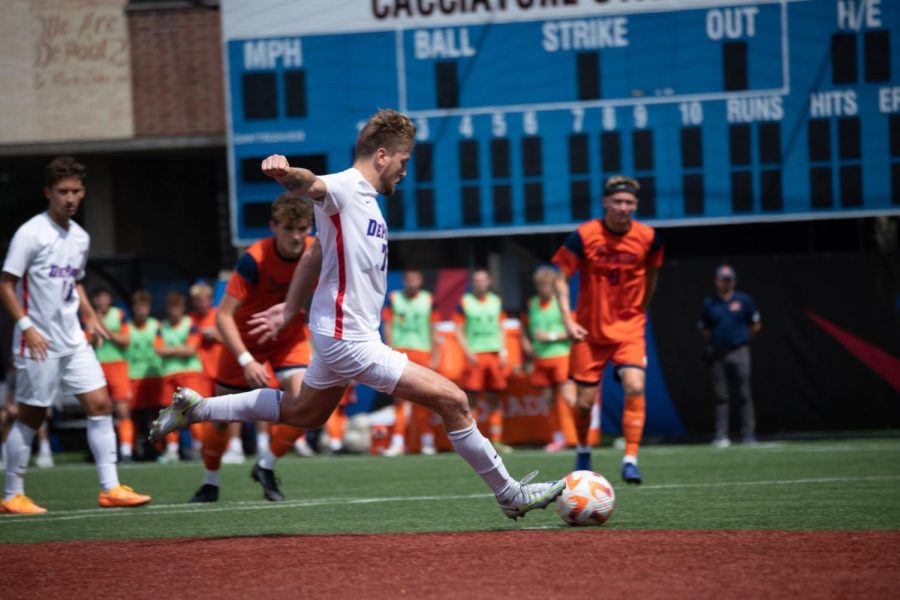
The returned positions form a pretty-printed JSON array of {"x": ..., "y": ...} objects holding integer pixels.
[
  {"x": 21, "y": 504},
  {"x": 122, "y": 495}
]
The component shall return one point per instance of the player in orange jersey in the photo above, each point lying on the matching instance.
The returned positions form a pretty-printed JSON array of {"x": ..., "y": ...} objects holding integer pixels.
[
  {"x": 261, "y": 280},
  {"x": 618, "y": 260}
]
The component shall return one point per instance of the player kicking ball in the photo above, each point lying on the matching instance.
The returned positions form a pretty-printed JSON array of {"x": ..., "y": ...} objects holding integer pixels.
[{"x": 345, "y": 317}]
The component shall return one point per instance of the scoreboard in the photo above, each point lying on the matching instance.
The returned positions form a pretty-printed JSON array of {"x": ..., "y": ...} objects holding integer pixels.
[{"x": 724, "y": 111}]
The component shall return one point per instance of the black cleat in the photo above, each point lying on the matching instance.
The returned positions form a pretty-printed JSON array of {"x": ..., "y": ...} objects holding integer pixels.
[
  {"x": 266, "y": 478},
  {"x": 206, "y": 493}
]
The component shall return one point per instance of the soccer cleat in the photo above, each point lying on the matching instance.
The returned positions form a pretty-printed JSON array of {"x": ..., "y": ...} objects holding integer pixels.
[
  {"x": 631, "y": 473},
  {"x": 555, "y": 446},
  {"x": 43, "y": 460},
  {"x": 583, "y": 461},
  {"x": 721, "y": 442},
  {"x": 502, "y": 448},
  {"x": 122, "y": 496},
  {"x": 207, "y": 493},
  {"x": 174, "y": 416},
  {"x": 429, "y": 450},
  {"x": 302, "y": 447},
  {"x": 168, "y": 458},
  {"x": 233, "y": 457},
  {"x": 393, "y": 450},
  {"x": 532, "y": 496},
  {"x": 20, "y": 504},
  {"x": 266, "y": 478}
]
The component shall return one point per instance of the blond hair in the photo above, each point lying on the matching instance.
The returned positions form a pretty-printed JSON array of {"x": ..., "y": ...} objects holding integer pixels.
[
  {"x": 200, "y": 289},
  {"x": 387, "y": 129},
  {"x": 621, "y": 183},
  {"x": 544, "y": 275}
]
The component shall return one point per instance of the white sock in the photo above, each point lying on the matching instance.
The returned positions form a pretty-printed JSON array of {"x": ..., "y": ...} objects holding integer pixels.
[
  {"x": 171, "y": 447},
  {"x": 125, "y": 450},
  {"x": 629, "y": 459},
  {"x": 102, "y": 440},
  {"x": 397, "y": 440},
  {"x": 211, "y": 477},
  {"x": 427, "y": 440},
  {"x": 262, "y": 441},
  {"x": 582, "y": 449},
  {"x": 17, "y": 449},
  {"x": 235, "y": 445},
  {"x": 45, "y": 447},
  {"x": 256, "y": 405},
  {"x": 266, "y": 459},
  {"x": 477, "y": 450},
  {"x": 559, "y": 438}
]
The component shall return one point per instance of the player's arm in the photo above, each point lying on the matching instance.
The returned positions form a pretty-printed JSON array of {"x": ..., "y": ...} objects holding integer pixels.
[
  {"x": 460, "y": 333},
  {"x": 120, "y": 338},
  {"x": 563, "y": 298},
  {"x": 525, "y": 334},
  {"x": 255, "y": 374},
  {"x": 92, "y": 323},
  {"x": 652, "y": 278},
  {"x": 437, "y": 343},
  {"x": 36, "y": 343},
  {"x": 294, "y": 179},
  {"x": 755, "y": 319}
]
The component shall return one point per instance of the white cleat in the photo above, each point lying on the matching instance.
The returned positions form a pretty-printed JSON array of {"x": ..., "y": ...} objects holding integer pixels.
[
  {"x": 175, "y": 416},
  {"x": 532, "y": 496},
  {"x": 428, "y": 450},
  {"x": 44, "y": 461},
  {"x": 392, "y": 451},
  {"x": 233, "y": 457}
]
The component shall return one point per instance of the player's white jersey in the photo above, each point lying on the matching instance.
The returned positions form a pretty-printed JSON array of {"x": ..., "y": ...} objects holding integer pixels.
[
  {"x": 350, "y": 294},
  {"x": 49, "y": 261}
]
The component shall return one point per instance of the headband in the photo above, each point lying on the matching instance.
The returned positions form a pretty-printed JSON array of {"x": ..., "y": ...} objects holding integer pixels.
[{"x": 620, "y": 187}]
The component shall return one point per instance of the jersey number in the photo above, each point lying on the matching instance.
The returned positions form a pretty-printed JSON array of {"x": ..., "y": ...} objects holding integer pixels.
[{"x": 384, "y": 260}]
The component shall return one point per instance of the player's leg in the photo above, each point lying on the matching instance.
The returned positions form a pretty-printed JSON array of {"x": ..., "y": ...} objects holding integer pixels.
[
  {"x": 119, "y": 387},
  {"x": 44, "y": 458},
  {"x": 719, "y": 377},
  {"x": 17, "y": 452},
  {"x": 216, "y": 438},
  {"x": 495, "y": 383},
  {"x": 586, "y": 363},
  {"x": 741, "y": 361},
  {"x": 102, "y": 442},
  {"x": 633, "y": 418},
  {"x": 282, "y": 437}
]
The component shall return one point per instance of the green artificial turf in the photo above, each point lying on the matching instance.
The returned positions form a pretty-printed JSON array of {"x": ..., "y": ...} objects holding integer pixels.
[{"x": 846, "y": 484}]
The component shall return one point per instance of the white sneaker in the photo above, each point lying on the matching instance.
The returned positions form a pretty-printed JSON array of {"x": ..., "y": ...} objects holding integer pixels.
[
  {"x": 532, "y": 496},
  {"x": 233, "y": 457},
  {"x": 721, "y": 442},
  {"x": 393, "y": 450},
  {"x": 168, "y": 458},
  {"x": 428, "y": 450},
  {"x": 301, "y": 446},
  {"x": 174, "y": 416},
  {"x": 43, "y": 461}
]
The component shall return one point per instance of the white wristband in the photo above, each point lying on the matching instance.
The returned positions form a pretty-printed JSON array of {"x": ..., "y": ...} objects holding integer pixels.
[
  {"x": 245, "y": 358},
  {"x": 552, "y": 337},
  {"x": 24, "y": 323}
]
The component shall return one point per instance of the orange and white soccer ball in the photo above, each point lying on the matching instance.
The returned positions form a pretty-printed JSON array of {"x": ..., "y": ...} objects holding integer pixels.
[{"x": 588, "y": 499}]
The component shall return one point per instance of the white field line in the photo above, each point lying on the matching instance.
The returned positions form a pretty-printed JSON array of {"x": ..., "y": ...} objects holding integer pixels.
[{"x": 182, "y": 509}]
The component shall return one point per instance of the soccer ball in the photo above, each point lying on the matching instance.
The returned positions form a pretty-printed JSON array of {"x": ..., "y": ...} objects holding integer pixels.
[{"x": 587, "y": 500}]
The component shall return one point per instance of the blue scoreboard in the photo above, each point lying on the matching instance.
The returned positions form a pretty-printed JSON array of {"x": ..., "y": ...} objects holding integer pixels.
[{"x": 724, "y": 111}]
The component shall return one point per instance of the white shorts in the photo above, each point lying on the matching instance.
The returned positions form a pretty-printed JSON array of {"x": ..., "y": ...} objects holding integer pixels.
[
  {"x": 336, "y": 362},
  {"x": 45, "y": 382}
]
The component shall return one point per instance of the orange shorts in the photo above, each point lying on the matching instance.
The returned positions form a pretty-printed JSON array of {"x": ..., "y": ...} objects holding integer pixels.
[
  {"x": 549, "y": 371},
  {"x": 146, "y": 393},
  {"x": 420, "y": 357},
  {"x": 117, "y": 381},
  {"x": 587, "y": 360},
  {"x": 196, "y": 380},
  {"x": 290, "y": 356},
  {"x": 485, "y": 374}
]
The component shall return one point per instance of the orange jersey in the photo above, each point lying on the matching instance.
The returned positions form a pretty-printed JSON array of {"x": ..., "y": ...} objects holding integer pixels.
[
  {"x": 208, "y": 350},
  {"x": 613, "y": 269},
  {"x": 259, "y": 281}
]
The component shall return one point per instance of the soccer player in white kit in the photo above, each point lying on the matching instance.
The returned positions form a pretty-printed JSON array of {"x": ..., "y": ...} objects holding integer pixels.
[
  {"x": 40, "y": 290},
  {"x": 345, "y": 316}
]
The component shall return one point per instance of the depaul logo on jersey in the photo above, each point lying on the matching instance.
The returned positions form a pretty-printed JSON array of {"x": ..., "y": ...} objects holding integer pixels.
[
  {"x": 63, "y": 271},
  {"x": 377, "y": 229}
]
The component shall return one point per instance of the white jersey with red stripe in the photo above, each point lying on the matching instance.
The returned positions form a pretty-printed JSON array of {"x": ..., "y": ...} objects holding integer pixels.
[
  {"x": 350, "y": 294},
  {"x": 49, "y": 261}
]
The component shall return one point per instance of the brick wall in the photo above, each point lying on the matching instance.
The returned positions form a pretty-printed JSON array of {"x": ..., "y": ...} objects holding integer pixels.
[{"x": 176, "y": 62}]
